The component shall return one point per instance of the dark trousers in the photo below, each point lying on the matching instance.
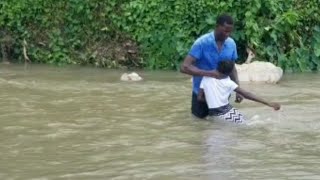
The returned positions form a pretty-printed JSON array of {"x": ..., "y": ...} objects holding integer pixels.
[{"x": 199, "y": 108}]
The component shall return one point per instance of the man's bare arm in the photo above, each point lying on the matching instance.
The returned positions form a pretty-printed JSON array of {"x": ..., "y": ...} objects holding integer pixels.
[
  {"x": 187, "y": 67},
  {"x": 234, "y": 75}
]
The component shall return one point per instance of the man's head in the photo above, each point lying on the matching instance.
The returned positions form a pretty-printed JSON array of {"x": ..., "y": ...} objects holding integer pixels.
[
  {"x": 225, "y": 67},
  {"x": 224, "y": 27}
]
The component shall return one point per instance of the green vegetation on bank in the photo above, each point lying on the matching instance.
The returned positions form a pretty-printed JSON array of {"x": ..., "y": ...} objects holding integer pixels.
[{"x": 156, "y": 34}]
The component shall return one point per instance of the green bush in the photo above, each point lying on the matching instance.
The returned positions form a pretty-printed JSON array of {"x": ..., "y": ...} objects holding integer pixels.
[
  {"x": 63, "y": 32},
  {"x": 284, "y": 32}
]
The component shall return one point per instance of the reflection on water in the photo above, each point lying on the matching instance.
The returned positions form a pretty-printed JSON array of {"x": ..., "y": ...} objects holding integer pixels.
[{"x": 83, "y": 123}]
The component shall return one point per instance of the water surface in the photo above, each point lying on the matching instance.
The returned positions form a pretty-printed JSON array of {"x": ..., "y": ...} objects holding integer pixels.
[{"x": 83, "y": 123}]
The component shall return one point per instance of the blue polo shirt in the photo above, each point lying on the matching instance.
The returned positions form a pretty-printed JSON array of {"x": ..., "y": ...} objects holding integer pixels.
[{"x": 205, "y": 51}]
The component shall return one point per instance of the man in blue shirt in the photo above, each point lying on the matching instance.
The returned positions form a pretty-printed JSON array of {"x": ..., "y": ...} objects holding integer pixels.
[{"x": 204, "y": 56}]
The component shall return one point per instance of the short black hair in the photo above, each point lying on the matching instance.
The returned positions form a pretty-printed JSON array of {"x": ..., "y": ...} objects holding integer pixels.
[
  {"x": 224, "y": 19},
  {"x": 225, "y": 67}
]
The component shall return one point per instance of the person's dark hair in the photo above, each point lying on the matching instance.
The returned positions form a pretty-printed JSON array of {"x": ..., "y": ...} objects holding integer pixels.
[
  {"x": 225, "y": 67},
  {"x": 224, "y": 19}
]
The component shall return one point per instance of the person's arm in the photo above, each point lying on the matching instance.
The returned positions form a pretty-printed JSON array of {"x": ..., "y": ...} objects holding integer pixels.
[
  {"x": 234, "y": 74},
  {"x": 201, "y": 96},
  {"x": 195, "y": 54},
  {"x": 234, "y": 78},
  {"x": 187, "y": 67},
  {"x": 253, "y": 97}
]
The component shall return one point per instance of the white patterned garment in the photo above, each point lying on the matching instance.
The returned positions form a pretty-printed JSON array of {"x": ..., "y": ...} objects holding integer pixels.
[
  {"x": 217, "y": 93},
  {"x": 233, "y": 115}
]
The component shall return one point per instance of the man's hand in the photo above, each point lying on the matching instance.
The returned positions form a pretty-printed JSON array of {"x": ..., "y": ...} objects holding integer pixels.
[
  {"x": 215, "y": 74},
  {"x": 239, "y": 98}
]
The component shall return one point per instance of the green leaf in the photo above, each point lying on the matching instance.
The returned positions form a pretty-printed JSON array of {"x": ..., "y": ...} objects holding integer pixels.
[
  {"x": 267, "y": 28},
  {"x": 317, "y": 52}
]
